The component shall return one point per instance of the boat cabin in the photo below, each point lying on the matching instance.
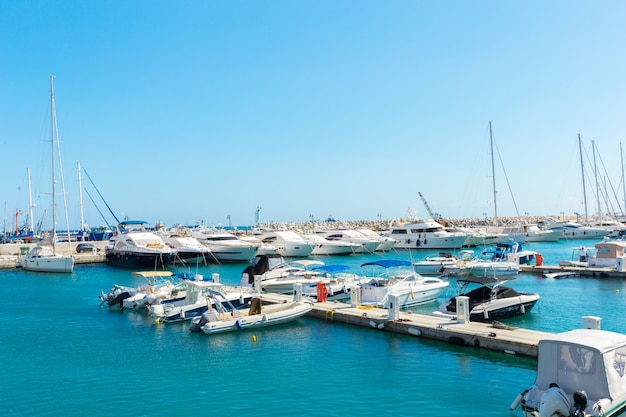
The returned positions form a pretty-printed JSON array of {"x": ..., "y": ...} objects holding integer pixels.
[
  {"x": 589, "y": 363},
  {"x": 609, "y": 254}
]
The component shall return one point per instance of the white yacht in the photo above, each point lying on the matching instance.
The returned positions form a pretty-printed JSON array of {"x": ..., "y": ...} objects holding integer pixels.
[
  {"x": 386, "y": 243},
  {"x": 427, "y": 234},
  {"x": 573, "y": 230},
  {"x": 286, "y": 242},
  {"x": 190, "y": 250},
  {"x": 276, "y": 275},
  {"x": 224, "y": 246},
  {"x": 136, "y": 246},
  {"x": 366, "y": 244},
  {"x": 325, "y": 246},
  {"x": 396, "y": 278}
]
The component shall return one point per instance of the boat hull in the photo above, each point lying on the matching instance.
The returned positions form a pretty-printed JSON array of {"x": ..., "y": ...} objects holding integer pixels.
[
  {"x": 502, "y": 313},
  {"x": 64, "y": 264},
  {"x": 274, "y": 315},
  {"x": 138, "y": 260},
  {"x": 232, "y": 254}
]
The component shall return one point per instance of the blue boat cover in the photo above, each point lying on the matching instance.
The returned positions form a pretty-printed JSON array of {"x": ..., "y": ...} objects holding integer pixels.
[
  {"x": 332, "y": 268},
  {"x": 388, "y": 263}
]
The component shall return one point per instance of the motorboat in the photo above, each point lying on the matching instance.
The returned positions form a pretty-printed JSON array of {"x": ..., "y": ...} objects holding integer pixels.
[
  {"x": 286, "y": 242},
  {"x": 476, "y": 236},
  {"x": 189, "y": 250},
  {"x": 609, "y": 254},
  {"x": 366, "y": 244},
  {"x": 489, "y": 299},
  {"x": 534, "y": 233},
  {"x": 503, "y": 260},
  {"x": 386, "y": 243},
  {"x": 221, "y": 320},
  {"x": 136, "y": 246},
  {"x": 427, "y": 234},
  {"x": 573, "y": 230},
  {"x": 395, "y": 277},
  {"x": 276, "y": 275},
  {"x": 580, "y": 373},
  {"x": 200, "y": 296},
  {"x": 443, "y": 264},
  {"x": 336, "y": 284},
  {"x": 225, "y": 246},
  {"x": 325, "y": 246},
  {"x": 157, "y": 286}
]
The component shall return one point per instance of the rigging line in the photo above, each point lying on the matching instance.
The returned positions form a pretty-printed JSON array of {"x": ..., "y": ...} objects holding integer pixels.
[
  {"x": 96, "y": 206},
  {"x": 98, "y": 191},
  {"x": 58, "y": 145},
  {"x": 608, "y": 201},
  {"x": 506, "y": 177}
]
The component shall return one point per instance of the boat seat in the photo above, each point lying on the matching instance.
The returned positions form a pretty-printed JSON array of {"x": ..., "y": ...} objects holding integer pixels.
[
  {"x": 255, "y": 306},
  {"x": 211, "y": 315}
]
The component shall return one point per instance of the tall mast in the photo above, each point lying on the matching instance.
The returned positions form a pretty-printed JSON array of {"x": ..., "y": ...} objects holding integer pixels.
[
  {"x": 595, "y": 174},
  {"x": 30, "y": 203},
  {"x": 621, "y": 153},
  {"x": 53, "y": 123},
  {"x": 582, "y": 169},
  {"x": 493, "y": 177},
  {"x": 80, "y": 197}
]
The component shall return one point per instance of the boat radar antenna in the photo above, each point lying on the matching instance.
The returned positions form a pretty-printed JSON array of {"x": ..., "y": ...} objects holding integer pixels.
[{"x": 411, "y": 214}]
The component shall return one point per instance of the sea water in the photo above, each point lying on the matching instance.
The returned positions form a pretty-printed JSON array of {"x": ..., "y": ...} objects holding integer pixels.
[{"x": 64, "y": 354}]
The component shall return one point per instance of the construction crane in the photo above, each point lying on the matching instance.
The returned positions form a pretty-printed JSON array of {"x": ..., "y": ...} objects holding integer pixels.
[{"x": 435, "y": 216}]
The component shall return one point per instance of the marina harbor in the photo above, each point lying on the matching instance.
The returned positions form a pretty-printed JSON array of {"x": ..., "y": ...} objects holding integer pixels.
[{"x": 496, "y": 297}]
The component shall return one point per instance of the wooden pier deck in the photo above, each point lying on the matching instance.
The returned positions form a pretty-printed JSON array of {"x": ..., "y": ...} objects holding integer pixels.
[{"x": 500, "y": 338}]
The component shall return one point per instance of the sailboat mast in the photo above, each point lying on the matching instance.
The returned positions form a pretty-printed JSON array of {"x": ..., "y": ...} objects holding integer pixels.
[
  {"x": 595, "y": 174},
  {"x": 582, "y": 169},
  {"x": 493, "y": 177},
  {"x": 53, "y": 123},
  {"x": 621, "y": 153},
  {"x": 30, "y": 203},
  {"x": 80, "y": 197}
]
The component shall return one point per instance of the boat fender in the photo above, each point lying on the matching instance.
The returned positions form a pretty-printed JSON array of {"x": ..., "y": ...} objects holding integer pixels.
[
  {"x": 517, "y": 400},
  {"x": 522, "y": 308},
  {"x": 238, "y": 324},
  {"x": 456, "y": 340},
  {"x": 414, "y": 331},
  {"x": 597, "y": 409}
]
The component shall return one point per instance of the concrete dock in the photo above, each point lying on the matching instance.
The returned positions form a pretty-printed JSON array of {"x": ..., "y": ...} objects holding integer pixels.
[
  {"x": 587, "y": 272},
  {"x": 494, "y": 337}
]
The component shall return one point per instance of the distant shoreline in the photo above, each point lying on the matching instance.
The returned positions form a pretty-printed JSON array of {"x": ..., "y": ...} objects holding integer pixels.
[{"x": 384, "y": 225}]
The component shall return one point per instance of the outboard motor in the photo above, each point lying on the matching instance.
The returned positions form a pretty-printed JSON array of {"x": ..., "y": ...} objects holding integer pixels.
[
  {"x": 197, "y": 323},
  {"x": 554, "y": 401},
  {"x": 580, "y": 403},
  {"x": 119, "y": 299}
]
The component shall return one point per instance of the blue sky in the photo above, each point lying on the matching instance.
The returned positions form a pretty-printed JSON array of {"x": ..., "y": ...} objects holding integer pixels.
[{"x": 205, "y": 110}]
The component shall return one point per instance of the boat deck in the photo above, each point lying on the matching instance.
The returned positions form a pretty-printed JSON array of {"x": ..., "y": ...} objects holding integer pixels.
[{"x": 501, "y": 338}]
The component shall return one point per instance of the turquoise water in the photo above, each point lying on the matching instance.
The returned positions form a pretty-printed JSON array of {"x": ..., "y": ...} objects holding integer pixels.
[{"x": 64, "y": 354}]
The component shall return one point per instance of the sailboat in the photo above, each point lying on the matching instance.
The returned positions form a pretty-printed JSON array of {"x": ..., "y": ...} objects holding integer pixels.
[{"x": 44, "y": 258}]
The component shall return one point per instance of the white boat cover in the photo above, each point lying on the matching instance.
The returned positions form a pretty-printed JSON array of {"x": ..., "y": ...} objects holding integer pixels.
[{"x": 592, "y": 360}]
